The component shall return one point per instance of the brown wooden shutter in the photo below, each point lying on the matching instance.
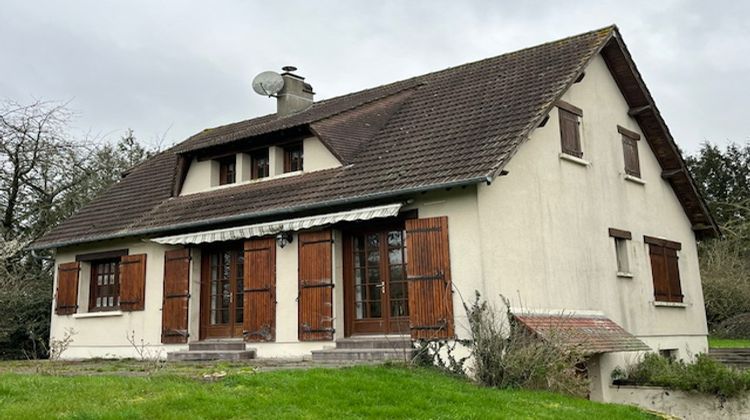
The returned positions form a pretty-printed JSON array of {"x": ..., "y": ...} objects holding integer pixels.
[
  {"x": 174, "y": 312},
  {"x": 673, "y": 273},
  {"x": 132, "y": 282},
  {"x": 630, "y": 152},
  {"x": 569, "y": 133},
  {"x": 260, "y": 290},
  {"x": 315, "y": 286},
  {"x": 659, "y": 273},
  {"x": 67, "y": 288},
  {"x": 429, "y": 274}
]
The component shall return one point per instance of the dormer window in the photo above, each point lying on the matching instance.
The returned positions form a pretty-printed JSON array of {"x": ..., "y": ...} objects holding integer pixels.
[
  {"x": 260, "y": 164},
  {"x": 293, "y": 157},
  {"x": 227, "y": 170}
]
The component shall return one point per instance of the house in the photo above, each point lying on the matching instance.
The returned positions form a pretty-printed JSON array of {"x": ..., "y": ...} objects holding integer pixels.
[{"x": 546, "y": 175}]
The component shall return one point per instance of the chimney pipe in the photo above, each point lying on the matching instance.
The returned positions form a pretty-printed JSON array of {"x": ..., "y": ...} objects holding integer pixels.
[{"x": 295, "y": 96}]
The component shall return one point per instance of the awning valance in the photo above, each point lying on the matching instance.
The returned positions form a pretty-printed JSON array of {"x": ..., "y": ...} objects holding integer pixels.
[
  {"x": 272, "y": 228},
  {"x": 591, "y": 332}
]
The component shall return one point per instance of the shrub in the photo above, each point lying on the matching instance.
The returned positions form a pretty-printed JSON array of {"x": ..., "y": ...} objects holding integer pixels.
[
  {"x": 704, "y": 375},
  {"x": 737, "y": 326},
  {"x": 509, "y": 356}
]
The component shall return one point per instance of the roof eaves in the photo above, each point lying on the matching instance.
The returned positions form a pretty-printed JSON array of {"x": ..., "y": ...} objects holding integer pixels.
[
  {"x": 263, "y": 214},
  {"x": 667, "y": 134}
]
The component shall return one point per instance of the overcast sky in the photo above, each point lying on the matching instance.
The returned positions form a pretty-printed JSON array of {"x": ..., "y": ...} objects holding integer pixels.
[{"x": 171, "y": 68}]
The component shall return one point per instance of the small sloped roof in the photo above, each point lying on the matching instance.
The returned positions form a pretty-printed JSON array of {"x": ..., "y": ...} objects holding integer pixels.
[
  {"x": 591, "y": 334},
  {"x": 457, "y": 126}
]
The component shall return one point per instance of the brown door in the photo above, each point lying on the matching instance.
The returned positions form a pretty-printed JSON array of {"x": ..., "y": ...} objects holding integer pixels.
[
  {"x": 377, "y": 292},
  {"x": 222, "y": 292}
]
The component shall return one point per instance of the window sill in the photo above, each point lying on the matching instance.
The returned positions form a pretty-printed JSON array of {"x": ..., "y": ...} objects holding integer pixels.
[
  {"x": 670, "y": 304},
  {"x": 634, "y": 179},
  {"x": 102, "y": 314},
  {"x": 624, "y": 275},
  {"x": 576, "y": 160}
]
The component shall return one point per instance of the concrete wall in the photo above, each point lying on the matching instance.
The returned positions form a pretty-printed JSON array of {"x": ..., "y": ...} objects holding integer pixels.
[
  {"x": 204, "y": 175},
  {"x": 685, "y": 405},
  {"x": 544, "y": 228}
]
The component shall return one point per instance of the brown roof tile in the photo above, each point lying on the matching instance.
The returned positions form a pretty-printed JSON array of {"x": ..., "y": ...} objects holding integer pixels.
[
  {"x": 453, "y": 127},
  {"x": 591, "y": 334}
]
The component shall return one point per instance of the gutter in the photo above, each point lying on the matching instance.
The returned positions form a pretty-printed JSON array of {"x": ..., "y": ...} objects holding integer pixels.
[{"x": 277, "y": 212}]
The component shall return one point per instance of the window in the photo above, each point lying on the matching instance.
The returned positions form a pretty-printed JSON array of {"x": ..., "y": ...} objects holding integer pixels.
[
  {"x": 670, "y": 354},
  {"x": 630, "y": 151},
  {"x": 621, "y": 248},
  {"x": 665, "y": 269},
  {"x": 570, "y": 135},
  {"x": 621, "y": 238},
  {"x": 105, "y": 285},
  {"x": 260, "y": 165},
  {"x": 227, "y": 170},
  {"x": 293, "y": 158}
]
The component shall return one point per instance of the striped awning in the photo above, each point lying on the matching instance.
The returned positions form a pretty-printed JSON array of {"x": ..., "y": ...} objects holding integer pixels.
[{"x": 272, "y": 228}]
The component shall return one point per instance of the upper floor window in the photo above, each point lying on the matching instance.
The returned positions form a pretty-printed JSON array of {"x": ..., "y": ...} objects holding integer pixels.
[
  {"x": 260, "y": 164},
  {"x": 622, "y": 238},
  {"x": 570, "y": 134},
  {"x": 293, "y": 158},
  {"x": 630, "y": 151},
  {"x": 227, "y": 170},
  {"x": 665, "y": 269},
  {"x": 104, "y": 294}
]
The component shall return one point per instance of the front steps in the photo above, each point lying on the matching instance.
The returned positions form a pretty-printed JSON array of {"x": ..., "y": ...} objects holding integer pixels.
[
  {"x": 213, "y": 350},
  {"x": 367, "y": 349}
]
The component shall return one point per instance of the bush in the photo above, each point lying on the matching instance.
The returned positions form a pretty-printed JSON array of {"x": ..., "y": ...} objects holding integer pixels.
[
  {"x": 509, "y": 356},
  {"x": 737, "y": 326},
  {"x": 704, "y": 375}
]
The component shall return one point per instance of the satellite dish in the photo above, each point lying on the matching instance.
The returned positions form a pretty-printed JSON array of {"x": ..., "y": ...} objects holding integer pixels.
[{"x": 268, "y": 83}]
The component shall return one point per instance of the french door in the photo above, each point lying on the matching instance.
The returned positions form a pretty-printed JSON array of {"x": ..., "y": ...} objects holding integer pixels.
[
  {"x": 222, "y": 292},
  {"x": 377, "y": 290}
]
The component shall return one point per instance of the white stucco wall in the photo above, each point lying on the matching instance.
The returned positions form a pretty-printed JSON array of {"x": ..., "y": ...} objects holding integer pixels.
[
  {"x": 317, "y": 155},
  {"x": 105, "y": 334},
  {"x": 544, "y": 227}
]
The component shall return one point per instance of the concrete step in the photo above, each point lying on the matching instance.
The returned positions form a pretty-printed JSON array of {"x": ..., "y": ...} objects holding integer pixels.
[
  {"x": 202, "y": 355},
  {"x": 400, "y": 342},
  {"x": 361, "y": 354},
  {"x": 216, "y": 345}
]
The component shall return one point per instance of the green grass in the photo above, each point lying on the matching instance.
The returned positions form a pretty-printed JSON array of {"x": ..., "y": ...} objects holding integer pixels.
[
  {"x": 356, "y": 392},
  {"x": 727, "y": 343}
]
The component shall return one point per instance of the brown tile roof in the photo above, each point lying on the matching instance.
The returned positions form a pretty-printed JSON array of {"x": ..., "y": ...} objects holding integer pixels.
[
  {"x": 453, "y": 127},
  {"x": 591, "y": 334}
]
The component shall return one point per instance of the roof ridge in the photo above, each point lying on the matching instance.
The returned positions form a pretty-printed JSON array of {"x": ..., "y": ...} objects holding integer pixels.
[{"x": 317, "y": 105}]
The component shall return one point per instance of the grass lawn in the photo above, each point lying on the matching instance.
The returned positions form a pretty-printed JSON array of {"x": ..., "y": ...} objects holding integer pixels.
[
  {"x": 726, "y": 343},
  {"x": 353, "y": 392}
]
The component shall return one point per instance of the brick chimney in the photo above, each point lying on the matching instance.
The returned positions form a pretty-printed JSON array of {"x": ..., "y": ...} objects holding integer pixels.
[{"x": 295, "y": 96}]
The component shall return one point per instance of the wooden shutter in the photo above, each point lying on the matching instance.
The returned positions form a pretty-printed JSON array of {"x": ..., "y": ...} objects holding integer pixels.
[
  {"x": 429, "y": 275},
  {"x": 666, "y": 274},
  {"x": 260, "y": 290},
  {"x": 673, "y": 275},
  {"x": 315, "y": 286},
  {"x": 630, "y": 152},
  {"x": 174, "y": 311},
  {"x": 659, "y": 273},
  {"x": 569, "y": 133},
  {"x": 132, "y": 282},
  {"x": 67, "y": 288}
]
